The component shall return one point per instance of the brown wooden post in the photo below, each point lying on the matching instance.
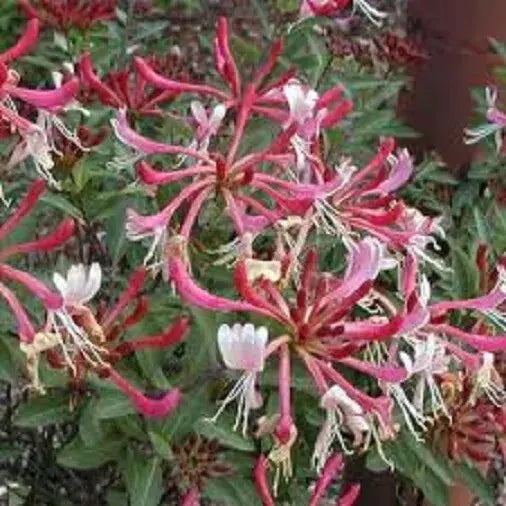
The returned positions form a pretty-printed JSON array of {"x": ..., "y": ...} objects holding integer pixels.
[{"x": 455, "y": 34}]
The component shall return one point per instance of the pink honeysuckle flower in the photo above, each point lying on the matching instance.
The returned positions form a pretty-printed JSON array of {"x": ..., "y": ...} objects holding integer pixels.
[
  {"x": 242, "y": 187},
  {"x": 333, "y": 465},
  {"x": 435, "y": 342},
  {"x": 34, "y": 136},
  {"x": 242, "y": 348},
  {"x": 365, "y": 202},
  {"x": 319, "y": 328},
  {"x": 349, "y": 496},
  {"x": 255, "y": 189},
  {"x": 333, "y": 8},
  {"x": 86, "y": 340},
  {"x": 496, "y": 123},
  {"x": 57, "y": 238}
]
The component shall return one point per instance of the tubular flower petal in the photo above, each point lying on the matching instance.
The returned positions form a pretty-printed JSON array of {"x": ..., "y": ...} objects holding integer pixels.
[
  {"x": 149, "y": 407},
  {"x": 260, "y": 481},
  {"x": 24, "y": 44},
  {"x": 332, "y": 466},
  {"x": 46, "y": 99}
]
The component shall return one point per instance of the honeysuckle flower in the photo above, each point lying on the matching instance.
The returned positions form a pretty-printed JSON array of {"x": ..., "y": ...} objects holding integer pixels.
[
  {"x": 318, "y": 328},
  {"x": 435, "y": 342},
  {"x": 342, "y": 412},
  {"x": 309, "y": 113},
  {"x": 35, "y": 137},
  {"x": 241, "y": 186},
  {"x": 82, "y": 340},
  {"x": 67, "y": 14},
  {"x": 206, "y": 125},
  {"x": 365, "y": 203},
  {"x": 333, "y": 466},
  {"x": 260, "y": 481},
  {"x": 80, "y": 285},
  {"x": 242, "y": 347},
  {"x": 58, "y": 237},
  {"x": 430, "y": 359},
  {"x": 333, "y": 8},
  {"x": 496, "y": 122}
]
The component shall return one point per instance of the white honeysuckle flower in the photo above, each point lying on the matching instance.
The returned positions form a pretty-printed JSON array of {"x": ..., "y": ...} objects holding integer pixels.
[
  {"x": 342, "y": 412},
  {"x": 242, "y": 348},
  {"x": 429, "y": 358},
  {"x": 80, "y": 285}
]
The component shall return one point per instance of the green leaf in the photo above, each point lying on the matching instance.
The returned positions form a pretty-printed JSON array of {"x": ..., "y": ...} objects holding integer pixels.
[
  {"x": 224, "y": 435},
  {"x": 436, "y": 463},
  {"x": 61, "y": 203},
  {"x": 112, "y": 404},
  {"x": 231, "y": 491},
  {"x": 186, "y": 415},
  {"x": 465, "y": 278},
  {"x": 90, "y": 426},
  {"x": 44, "y": 410},
  {"x": 79, "y": 456},
  {"x": 160, "y": 444},
  {"x": 144, "y": 480},
  {"x": 475, "y": 482}
]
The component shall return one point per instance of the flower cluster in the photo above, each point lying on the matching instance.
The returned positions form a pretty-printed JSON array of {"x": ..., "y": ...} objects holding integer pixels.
[
  {"x": 36, "y": 137},
  {"x": 402, "y": 343},
  {"x": 289, "y": 188}
]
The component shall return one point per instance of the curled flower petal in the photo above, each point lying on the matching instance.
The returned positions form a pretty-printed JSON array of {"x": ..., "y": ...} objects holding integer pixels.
[
  {"x": 195, "y": 295},
  {"x": 47, "y": 99},
  {"x": 149, "y": 407}
]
